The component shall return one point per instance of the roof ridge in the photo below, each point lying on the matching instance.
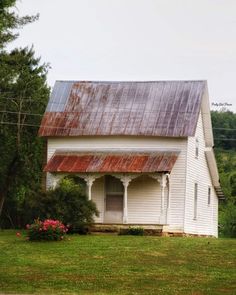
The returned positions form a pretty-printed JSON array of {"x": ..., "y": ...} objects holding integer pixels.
[{"x": 129, "y": 81}]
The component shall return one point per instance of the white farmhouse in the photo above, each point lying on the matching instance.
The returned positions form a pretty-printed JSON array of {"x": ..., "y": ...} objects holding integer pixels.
[{"x": 145, "y": 150}]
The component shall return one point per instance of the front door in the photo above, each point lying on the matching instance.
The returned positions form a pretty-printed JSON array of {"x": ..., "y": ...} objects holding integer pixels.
[{"x": 114, "y": 195}]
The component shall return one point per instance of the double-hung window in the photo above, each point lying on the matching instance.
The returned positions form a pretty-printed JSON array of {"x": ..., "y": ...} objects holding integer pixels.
[
  {"x": 209, "y": 196},
  {"x": 196, "y": 148},
  {"x": 195, "y": 201}
]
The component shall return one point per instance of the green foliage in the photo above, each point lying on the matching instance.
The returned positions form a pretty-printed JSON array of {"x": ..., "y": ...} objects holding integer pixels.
[
  {"x": 21, "y": 149},
  {"x": 23, "y": 98},
  {"x": 47, "y": 230},
  {"x": 9, "y": 21},
  {"x": 227, "y": 220},
  {"x": 225, "y": 134},
  {"x": 133, "y": 231},
  {"x": 67, "y": 202},
  {"x": 232, "y": 181},
  {"x": 226, "y": 162},
  {"x": 225, "y": 147}
]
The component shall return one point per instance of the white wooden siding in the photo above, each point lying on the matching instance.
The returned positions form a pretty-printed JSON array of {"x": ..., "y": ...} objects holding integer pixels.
[
  {"x": 144, "y": 201},
  {"x": 215, "y": 201},
  {"x": 198, "y": 172},
  {"x": 178, "y": 177},
  {"x": 98, "y": 198}
]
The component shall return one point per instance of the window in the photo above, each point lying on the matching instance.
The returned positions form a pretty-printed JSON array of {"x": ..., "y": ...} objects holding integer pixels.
[
  {"x": 209, "y": 196},
  {"x": 196, "y": 148},
  {"x": 114, "y": 186},
  {"x": 114, "y": 194},
  {"x": 195, "y": 201}
]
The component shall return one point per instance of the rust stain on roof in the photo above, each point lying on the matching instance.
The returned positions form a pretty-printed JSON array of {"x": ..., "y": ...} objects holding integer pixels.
[
  {"x": 161, "y": 108},
  {"x": 107, "y": 162}
]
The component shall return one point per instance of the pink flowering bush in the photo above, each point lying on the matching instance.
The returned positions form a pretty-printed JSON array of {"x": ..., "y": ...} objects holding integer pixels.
[{"x": 47, "y": 230}]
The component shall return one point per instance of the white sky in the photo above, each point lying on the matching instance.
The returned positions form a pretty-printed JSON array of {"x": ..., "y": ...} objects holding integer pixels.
[{"x": 137, "y": 40}]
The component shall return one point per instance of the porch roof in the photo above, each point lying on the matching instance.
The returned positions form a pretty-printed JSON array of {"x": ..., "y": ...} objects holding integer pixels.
[{"x": 75, "y": 162}]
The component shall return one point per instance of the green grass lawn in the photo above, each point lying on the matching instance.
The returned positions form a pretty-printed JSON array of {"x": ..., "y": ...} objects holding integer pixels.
[{"x": 108, "y": 264}]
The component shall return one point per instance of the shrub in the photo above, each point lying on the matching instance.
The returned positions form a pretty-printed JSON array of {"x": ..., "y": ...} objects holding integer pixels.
[
  {"x": 48, "y": 230},
  {"x": 134, "y": 231},
  {"x": 227, "y": 220},
  {"x": 67, "y": 202}
]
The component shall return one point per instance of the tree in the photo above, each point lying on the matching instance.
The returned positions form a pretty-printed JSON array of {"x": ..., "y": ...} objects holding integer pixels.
[
  {"x": 224, "y": 123},
  {"x": 233, "y": 185},
  {"x": 227, "y": 219},
  {"x": 9, "y": 21},
  {"x": 23, "y": 97}
]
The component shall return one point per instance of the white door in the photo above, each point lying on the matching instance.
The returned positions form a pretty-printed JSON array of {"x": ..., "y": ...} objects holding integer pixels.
[{"x": 114, "y": 195}]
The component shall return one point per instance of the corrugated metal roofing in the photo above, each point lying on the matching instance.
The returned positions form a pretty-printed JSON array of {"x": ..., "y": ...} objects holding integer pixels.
[
  {"x": 110, "y": 162},
  {"x": 161, "y": 108}
]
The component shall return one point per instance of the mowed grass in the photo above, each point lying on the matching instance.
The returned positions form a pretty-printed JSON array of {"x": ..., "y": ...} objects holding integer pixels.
[{"x": 107, "y": 264}]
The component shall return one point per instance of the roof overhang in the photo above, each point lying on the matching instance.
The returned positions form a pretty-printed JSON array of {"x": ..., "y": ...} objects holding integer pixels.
[
  {"x": 206, "y": 118},
  {"x": 112, "y": 162},
  {"x": 212, "y": 165}
]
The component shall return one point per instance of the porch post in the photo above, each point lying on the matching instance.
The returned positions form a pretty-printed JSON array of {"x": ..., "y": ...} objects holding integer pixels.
[
  {"x": 125, "y": 218},
  {"x": 168, "y": 199},
  {"x": 125, "y": 180},
  {"x": 89, "y": 181},
  {"x": 90, "y": 190},
  {"x": 163, "y": 185},
  {"x": 54, "y": 179}
]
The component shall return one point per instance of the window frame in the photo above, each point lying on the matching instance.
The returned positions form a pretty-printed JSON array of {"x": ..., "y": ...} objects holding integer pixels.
[
  {"x": 209, "y": 196},
  {"x": 195, "y": 201},
  {"x": 196, "y": 148},
  {"x": 108, "y": 180}
]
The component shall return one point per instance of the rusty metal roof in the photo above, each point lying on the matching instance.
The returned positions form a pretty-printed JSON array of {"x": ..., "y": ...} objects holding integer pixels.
[
  {"x": 112, "y": 162},
  {"x": 161, "y": 108}
]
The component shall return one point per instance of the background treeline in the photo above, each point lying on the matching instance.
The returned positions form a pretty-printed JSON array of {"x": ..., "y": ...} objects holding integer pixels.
[{"x": 224, "y": 129}]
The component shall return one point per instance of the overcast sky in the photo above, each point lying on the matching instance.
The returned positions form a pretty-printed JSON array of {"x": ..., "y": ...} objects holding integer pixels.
[{"x": 137, "y": 40}]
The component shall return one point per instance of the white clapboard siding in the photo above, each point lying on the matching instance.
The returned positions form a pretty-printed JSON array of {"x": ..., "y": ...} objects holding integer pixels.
[
  {"x": 198, "y": 172},
  {"x": 116, "y": 142},
  {"x": 215, "y": 214},
  {"x": 98, "y": 197},
  {"x": 178, "y": 177},
  {"x": 144, "y": 201}
]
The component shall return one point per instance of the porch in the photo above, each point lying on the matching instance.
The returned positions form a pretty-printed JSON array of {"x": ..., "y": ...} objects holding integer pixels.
[
  {"x": 128, "y": 189},
  {"x": 127, "y": 199}
]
